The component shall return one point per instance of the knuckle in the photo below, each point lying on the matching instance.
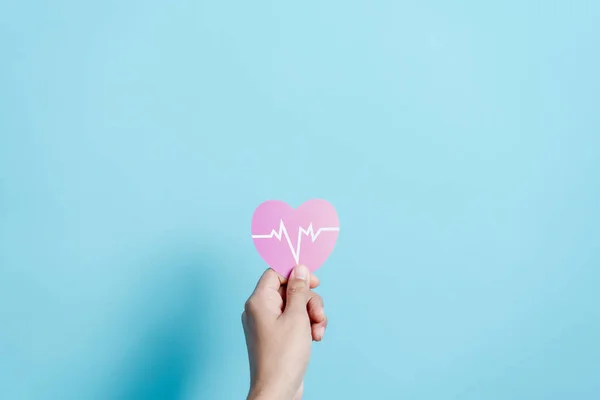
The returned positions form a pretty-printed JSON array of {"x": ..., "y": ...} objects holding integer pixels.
[
  {"x": 316, "y": 301},
  {"x": 296, "y": 287},
  {"x": 319, "y": 300},
  {"x": 251, "y": 305}
]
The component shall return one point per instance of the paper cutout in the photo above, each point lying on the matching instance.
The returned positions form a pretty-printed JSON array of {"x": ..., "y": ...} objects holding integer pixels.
[{"x": 286, "y": 237}]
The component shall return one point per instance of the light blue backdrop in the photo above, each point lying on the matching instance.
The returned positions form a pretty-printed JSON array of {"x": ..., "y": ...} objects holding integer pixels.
[{"x": 459, "y": 142}]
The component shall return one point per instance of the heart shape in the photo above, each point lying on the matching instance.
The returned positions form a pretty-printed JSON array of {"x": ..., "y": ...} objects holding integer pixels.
[{"x": 286, "y": 237}]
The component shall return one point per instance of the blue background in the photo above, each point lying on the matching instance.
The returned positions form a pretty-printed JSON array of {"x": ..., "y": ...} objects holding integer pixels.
[{"x": 459, "y": 142}]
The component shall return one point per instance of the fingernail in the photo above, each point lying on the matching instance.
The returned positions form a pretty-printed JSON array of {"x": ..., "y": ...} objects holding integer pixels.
[
  {"x": 301, "y": 272},
  {"x": 321, "y": 332}
]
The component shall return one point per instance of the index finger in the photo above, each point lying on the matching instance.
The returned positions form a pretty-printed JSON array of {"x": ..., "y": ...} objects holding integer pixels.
[
  {"x": 314, "y": 281},
  {"x": 270, "y": 280},
  {"x": 273, "y": 281}
]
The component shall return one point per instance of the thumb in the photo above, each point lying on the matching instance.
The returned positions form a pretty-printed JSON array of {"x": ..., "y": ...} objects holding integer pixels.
[{"x": 298, "y": 290}]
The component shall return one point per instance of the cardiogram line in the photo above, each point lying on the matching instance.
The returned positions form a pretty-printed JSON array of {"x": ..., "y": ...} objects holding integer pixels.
[{"x": 307, "y": 232}]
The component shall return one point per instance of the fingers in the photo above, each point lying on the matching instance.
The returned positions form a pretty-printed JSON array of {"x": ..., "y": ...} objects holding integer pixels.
[
  {"x": 314, "y": 282},
  {"x": 266, "y": 296},
  {"x": 315, "y": 307},
  {"x": 270, "y": 280},
  {"x": 318, "y": 330},
  {"x": 318, "y": 318},
  {"x": 298, "y": 291}
]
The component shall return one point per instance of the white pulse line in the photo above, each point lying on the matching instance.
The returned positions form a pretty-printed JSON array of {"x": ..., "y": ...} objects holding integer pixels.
[{"x": 283, "y": 232}]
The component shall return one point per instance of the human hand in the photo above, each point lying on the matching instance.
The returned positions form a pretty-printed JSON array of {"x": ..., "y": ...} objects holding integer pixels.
[{"x": 280, "y": 320}]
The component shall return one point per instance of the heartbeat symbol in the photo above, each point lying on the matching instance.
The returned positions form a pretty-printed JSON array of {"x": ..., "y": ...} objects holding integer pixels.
[{"x": 307, "y": 232}]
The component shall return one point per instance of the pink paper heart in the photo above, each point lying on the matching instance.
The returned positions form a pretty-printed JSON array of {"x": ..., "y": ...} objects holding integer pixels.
[{"x": 286, "y": 237}]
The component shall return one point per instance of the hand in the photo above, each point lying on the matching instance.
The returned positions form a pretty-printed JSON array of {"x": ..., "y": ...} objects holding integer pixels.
[{"x": 280, "y": 321}]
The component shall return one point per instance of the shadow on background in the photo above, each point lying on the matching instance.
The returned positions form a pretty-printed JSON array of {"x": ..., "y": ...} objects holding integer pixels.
[{"x": 174, "y": 339}]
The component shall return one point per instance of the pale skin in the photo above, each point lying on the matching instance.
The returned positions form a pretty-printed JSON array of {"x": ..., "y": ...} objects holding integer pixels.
[{"x": 281, "y": 320}]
